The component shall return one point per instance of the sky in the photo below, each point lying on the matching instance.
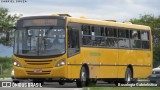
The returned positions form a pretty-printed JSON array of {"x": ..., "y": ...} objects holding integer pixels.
[
  {"x": 120, "y": 10},
  {"x": 6, "y": 51}
]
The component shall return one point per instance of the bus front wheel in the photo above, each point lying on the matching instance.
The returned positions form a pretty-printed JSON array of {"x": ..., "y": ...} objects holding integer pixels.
[{"x": 84, "y": 77}]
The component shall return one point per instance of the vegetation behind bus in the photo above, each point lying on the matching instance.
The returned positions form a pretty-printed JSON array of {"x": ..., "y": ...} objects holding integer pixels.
[
  {"x": 7, "y": 22},
  {"x": 6, "y": 64}
]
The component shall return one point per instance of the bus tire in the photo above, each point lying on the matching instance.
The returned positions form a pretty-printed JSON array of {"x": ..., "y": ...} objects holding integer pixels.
[
  {"x": 84, "y": 78},
  {"x": 128, "y": 76}
]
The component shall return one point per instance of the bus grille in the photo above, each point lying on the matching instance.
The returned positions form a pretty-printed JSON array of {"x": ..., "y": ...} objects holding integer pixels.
[
  {"x": 40, "y": 73},
  {"x": 38, "y": 62}
]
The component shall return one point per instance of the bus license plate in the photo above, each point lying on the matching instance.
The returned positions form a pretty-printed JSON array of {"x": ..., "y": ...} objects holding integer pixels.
[{"x": 37, "y": 70}]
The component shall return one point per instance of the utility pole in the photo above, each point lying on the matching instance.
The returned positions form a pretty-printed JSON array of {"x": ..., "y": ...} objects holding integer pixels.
[{"x": 1, "y": 71}]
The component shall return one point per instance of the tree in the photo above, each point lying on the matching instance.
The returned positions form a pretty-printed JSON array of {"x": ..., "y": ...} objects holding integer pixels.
[
  {"x": 154, "y": 23},
  {"x": 7, "y": 21}
]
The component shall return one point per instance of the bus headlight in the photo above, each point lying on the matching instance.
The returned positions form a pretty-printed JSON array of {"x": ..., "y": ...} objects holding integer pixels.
[
  {"x": 16, "y": 63},
  {"x": 61, "y": 62}
]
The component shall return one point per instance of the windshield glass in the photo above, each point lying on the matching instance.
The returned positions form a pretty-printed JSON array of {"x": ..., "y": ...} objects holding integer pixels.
[{"x": 40, "y": 41}]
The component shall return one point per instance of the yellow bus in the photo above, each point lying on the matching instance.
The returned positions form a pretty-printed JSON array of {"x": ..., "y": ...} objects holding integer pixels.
[{"x": 65, "y": 49}]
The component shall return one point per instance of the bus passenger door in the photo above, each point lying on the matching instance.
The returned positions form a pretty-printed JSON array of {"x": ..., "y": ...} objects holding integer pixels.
[{"x": 73, "y": 60}]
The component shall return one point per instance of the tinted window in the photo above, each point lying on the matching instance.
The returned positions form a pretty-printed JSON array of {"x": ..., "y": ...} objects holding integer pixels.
[
  {"x": 111, "y": 37},
  {"x": 144, "y": 35},
  {"x": 86, "y": 40},
  {"x": 145, "y": 39},
  {"x": 112, "y": 42},
  {"x": 86, "y": 30},
  {"x": 135, "y": 39},
  {"x": 73, "y": 40},
  {"x": 111, "y": 32},
  {"x": 123, "y": 40},
  {"x": 98, "y": 36},
  {"x": 123, "y": 43},
  {"x": 122, "y": 33},
  {"x": 99, "y": 31},
  {"x": 86, "y": 35},
  {"x": 135, "y": 34}
]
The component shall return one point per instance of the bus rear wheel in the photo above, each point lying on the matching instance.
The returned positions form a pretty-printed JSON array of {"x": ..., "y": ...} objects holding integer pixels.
[
  {"x": 84, "y": 77},
  {"x": 128, "y": 76}
]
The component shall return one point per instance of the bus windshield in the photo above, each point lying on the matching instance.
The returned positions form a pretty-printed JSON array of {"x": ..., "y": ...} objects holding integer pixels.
[{"x": 41, "y": 41}]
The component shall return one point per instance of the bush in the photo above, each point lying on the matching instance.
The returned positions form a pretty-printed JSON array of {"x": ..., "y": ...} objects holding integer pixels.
[
  {"x": 156, "y": 56},
  {"x": 6, "y": 62}
]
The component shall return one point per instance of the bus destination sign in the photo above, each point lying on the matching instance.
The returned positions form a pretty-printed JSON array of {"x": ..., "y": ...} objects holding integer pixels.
[{"x": 40, "y": 22}]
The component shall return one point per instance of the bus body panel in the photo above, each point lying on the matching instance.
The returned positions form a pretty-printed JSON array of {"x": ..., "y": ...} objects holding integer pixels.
[
  {"x": 28, "y": 67},
  {"x": 91, "y": 57},
  {"x": 108, "y": 61},
  {"x": 74, "y": 66}
]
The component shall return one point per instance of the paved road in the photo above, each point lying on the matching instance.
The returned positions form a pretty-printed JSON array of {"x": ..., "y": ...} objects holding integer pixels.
[
  {"x": 52, "y": 86},
  {"x": 56, "y": 86}
]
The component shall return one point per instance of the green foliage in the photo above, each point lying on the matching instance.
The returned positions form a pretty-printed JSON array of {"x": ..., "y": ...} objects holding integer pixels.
[
  {"x": 156, "y": 56},
  {"x": 7, "y": 22},
  {"x": 148, "y": 20},
  {"x": 6, "y": 62}
]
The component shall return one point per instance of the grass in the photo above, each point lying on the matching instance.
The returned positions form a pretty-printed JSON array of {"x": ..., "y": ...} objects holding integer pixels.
[
  {"x": 121, "y": 88},
  {"x": 6, "y": 73}
]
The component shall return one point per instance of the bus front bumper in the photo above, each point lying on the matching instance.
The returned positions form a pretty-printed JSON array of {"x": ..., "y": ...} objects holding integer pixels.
[{"x": 56, "y": 72}]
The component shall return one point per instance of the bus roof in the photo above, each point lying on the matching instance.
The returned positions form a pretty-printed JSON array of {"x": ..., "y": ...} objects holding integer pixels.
[
  {"x": 94, "y": 22},
  {"x": 108, "y": 23}
]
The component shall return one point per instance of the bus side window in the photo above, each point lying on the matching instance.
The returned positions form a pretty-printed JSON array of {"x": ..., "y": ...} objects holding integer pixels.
[
  {"x": 86, "y": 35},
  {"x": 123, "y": 35},
  {"x": 111, "y": 37},
  {"x": 145, "y": 39},
  {"x": 135, "y": 39},
  {"x": 73, "y": 42},
  {"x": 99, "y": 39}
]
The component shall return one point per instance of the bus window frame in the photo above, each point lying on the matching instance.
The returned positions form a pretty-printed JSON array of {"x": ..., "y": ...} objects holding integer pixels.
[
  {"x": 124, "y": 38},
  {"x": 105, "y": 47},
  {"x": 79, "y": 46},
  {"x": 149, "y": 40}
]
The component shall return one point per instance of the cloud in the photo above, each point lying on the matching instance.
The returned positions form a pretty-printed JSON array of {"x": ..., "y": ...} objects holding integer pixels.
[{"x": 121, "y": 10}]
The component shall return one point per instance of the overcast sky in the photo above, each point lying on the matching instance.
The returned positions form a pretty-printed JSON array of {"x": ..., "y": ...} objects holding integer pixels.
[{"x": 120, "y": 10}]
